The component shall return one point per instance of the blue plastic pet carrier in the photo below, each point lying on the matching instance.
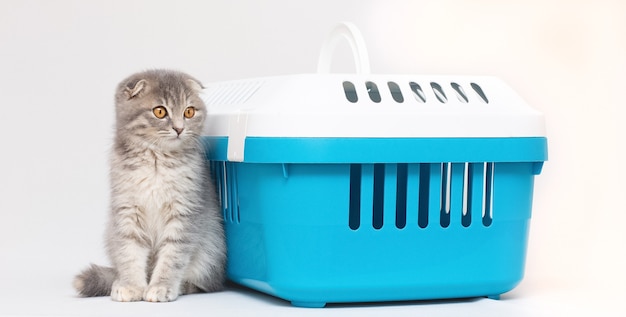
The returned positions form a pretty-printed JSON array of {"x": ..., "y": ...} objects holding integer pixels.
[{"x": 361, "y": 187}]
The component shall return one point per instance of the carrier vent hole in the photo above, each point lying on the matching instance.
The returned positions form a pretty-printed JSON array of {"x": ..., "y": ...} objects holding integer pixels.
[
  {"x": 354, "y": 220},
  {"x": 466, "y": 217},
  {"x": 401, "y": 195},
  {"x": 441, "y": 96},
  {"x": 372, "y": 90},
  {"x": 225, "y": 197},
  {"x": 396, "y": 94},
  {"x": 460, "y": 93},
  {"x": 350, "y": 91},
  {"x": 379, "y": 195},
  {"x": 487, "y": 212},
  {"x": 423, "y": 195},
  {"x": 418, "y": 93},
  {"x": 234, "y": 196},
  {"x": 446, "y": 178},
  {"x": 480, "y": 92}
]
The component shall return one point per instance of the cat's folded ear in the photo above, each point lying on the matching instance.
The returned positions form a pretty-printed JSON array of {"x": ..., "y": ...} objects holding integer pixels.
[
  {"x": 135, "y": 87},
  {"x": 195, "y": 84}
]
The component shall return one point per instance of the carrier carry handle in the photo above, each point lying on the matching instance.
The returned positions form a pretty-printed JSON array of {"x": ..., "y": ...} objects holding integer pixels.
[{"x": 350, "y": 33}]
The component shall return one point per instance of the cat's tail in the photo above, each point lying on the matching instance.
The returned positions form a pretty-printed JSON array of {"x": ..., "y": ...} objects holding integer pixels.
[{"x": 95, "y": 281}]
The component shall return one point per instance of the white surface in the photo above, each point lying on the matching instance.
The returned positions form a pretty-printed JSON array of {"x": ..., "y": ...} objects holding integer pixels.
[
  {"x": 60, "y": 62},
  {"x": 52, "y": 296}
]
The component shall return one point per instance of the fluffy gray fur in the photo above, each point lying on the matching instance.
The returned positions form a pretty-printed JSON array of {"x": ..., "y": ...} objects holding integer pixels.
[{"x": 165, "y": 234}]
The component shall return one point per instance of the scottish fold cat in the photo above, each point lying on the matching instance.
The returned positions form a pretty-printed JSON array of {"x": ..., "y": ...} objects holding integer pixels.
[{"x": 165, "y": 234}]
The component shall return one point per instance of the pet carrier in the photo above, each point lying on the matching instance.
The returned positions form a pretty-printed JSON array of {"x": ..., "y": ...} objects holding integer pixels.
[{"x": 361, "y": 187}]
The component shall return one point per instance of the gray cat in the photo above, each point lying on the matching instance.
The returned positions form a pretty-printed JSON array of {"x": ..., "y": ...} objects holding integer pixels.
[{"x": 165, "y": 234}]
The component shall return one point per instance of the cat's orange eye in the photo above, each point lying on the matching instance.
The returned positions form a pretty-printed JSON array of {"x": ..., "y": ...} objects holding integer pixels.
[
  {"x": 190, "y": 112},
  {"x": 159, "y": 112}
]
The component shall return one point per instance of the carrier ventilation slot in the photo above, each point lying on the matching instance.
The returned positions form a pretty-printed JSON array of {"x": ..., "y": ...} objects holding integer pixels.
[
  {"x": 418, "y": 93},
  {"x": 441, "y": 96},
  {"x": 460, "y": 93},
  {"x": 231, "y": 93},
  {"x": 350, "y": 91},
  {"x": 420, "y": 195},
  {"x": 372, "y": 91},
  {"x": 395, "y": 92},
  {"x": 224, "y": 177},
  {"x": 480, "y": 92}
]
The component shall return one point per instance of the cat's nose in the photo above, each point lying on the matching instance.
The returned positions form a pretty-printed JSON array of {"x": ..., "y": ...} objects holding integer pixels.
[{"x": 178, "y": 130}]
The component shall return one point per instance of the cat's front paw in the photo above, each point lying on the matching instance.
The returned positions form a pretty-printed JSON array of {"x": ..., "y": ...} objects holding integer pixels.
[
  {"x": 126, "y": 293},
  {"x": 160, "y": 293}
]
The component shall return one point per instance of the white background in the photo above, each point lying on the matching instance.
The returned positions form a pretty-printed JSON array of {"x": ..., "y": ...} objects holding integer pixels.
[{"x": 60, "y": 62}]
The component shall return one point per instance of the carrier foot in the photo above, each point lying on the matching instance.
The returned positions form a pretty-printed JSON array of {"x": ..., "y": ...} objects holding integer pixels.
[{"x": 308, "y": 304}]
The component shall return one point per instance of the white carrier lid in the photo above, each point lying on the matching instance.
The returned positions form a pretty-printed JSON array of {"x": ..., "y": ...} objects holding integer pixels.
[
  {"x": 316, "y": 105},
  {"x": 363, "y": 105}
]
